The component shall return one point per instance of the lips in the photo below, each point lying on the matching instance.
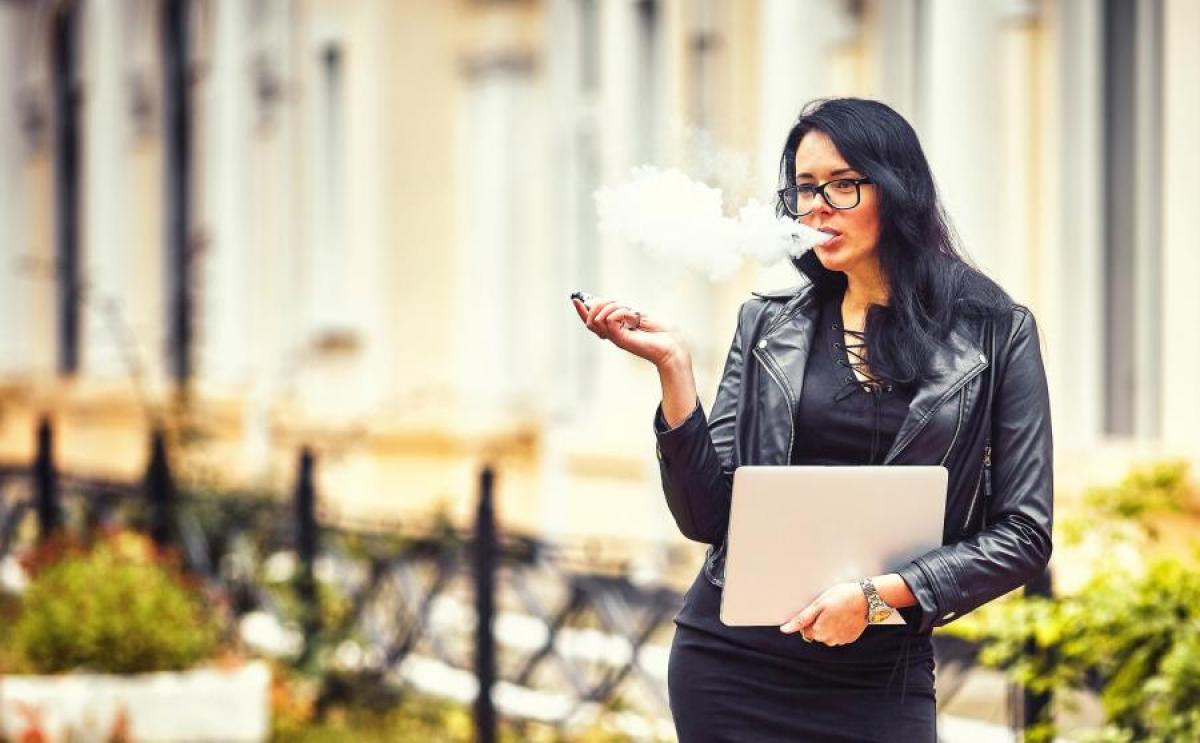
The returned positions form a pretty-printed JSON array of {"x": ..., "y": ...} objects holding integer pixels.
[{"x": 834, "y": 236}]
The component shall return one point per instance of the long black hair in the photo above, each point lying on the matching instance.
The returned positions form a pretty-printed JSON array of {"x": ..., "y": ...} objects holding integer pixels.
[{"x": 929, "y": 280}]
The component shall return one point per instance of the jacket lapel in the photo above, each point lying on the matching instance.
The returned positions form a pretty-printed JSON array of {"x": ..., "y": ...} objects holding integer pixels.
[
  {"x": 783, "y": 352},
  {"x": 952, "y": 368}
]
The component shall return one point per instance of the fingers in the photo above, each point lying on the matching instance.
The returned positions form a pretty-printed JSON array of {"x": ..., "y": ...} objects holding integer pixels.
[
  {"x": 805, "y": 624},
  {"x": 616, "y": 318},
  {"x": 586, "y": 313},
  {"x": 802, "y": 620},
  {"x": 594, "y": 311},
  {"x": 602, "y": 319},
  {"x": 606, "y": 317},
  {"x": 629, "y": 319},
  {"x": 580, "y": 309},
  {"x": 825, "y": 627},
  {"x": 598, "y": 304}
]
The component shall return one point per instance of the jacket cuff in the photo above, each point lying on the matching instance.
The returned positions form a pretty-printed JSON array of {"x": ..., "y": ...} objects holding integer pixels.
[
  {"x": 920, "y": 617},
  {"x": 671, "y": 440}
]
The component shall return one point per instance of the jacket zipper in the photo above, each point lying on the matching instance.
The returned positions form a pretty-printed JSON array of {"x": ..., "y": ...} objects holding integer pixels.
[
  {"x": 768, "y": 363},
  {"x": 962, "y": 405},
  {"x": 987, "y": 475},
  {"x": 715, "y": 551},
  {"x": 941, "y": 401},
  {"x": 984, "y": 472},
  {"x": 770, "y": 367}
]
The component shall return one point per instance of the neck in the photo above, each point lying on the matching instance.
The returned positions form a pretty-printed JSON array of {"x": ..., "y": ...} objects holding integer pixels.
[{"x": 865, "y": 286}]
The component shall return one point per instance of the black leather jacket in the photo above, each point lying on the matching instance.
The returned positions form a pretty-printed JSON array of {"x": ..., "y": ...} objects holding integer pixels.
[{"x": 992, "y": 542}]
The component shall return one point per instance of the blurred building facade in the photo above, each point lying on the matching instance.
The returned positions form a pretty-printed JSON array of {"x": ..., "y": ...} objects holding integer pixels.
[{"x": 356, "y": 224}]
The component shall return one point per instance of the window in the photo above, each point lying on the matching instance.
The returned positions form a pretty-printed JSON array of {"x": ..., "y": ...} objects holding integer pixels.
[
  {"x": 177, "y": 156},
  {"x": 647, "y": 84},
  {"x": 1132, "y": 260},
  {"x": 65, "y": 84},
  {"x": 329, "y": 306}
]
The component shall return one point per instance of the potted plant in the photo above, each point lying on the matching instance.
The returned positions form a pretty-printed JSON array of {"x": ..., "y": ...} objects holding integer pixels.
[
  {"x": 1130, "y": 637},
  {"x": 110, "y": 641}
]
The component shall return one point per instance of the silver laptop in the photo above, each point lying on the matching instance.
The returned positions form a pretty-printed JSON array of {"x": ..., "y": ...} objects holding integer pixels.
[{"x": 795, "y": 531}]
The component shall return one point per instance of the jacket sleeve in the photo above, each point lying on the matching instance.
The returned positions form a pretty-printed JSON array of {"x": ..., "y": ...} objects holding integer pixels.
[
  {"x": 1015, "y": 546},
  {"x": 696, "y": 459}
]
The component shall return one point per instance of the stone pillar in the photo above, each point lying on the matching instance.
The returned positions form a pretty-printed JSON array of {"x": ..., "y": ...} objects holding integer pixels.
[{"x": 1181, "y": 223}]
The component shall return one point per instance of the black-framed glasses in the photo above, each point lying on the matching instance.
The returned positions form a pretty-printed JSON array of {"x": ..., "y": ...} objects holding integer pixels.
[{"x": 841, "y": 193}]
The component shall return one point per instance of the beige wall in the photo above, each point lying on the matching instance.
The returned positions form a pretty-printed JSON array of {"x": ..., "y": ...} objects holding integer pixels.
[{"x": 422, "y": 327}]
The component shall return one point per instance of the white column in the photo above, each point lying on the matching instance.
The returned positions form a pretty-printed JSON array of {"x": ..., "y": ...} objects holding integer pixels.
[
  {"x": 1019, "y": 185},
  {"x": 14, "y": 282},
  {"x": 222, "y": 349},
  {"x": 573, "y": 266},
  {"x": 1076, "y": 344},
  {"x": 799, "y": 41},
  {"x": 893, "y": 39},
  {"x": 1181, "y": 223},
  {"x": 486, "y": 339},
  {"x": 105, "y": 202},
  {"x": 1147, "y": 203},
  {"x": 373, "y": 179},
  {"x": 327, "y": 271},
  {"x": 958, "y": 118}
]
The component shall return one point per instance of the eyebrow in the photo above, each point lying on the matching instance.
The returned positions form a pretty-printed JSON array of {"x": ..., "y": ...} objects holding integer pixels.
[{"x": 839, "y": 171}]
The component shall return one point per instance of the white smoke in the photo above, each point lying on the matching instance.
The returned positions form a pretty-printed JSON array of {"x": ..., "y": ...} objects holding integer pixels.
[{"x": 677, "y": 219}]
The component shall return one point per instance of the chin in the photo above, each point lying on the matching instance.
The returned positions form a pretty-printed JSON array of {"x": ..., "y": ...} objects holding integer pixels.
[{"x": 836, "y": 261}]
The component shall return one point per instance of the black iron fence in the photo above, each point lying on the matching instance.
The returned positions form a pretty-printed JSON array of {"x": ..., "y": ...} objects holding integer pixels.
[
  {"x": 504, "y": 621},
  {"x": 479, "y": 613}
]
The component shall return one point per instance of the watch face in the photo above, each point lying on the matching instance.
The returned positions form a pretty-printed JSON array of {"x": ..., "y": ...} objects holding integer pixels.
[{"x": 880, "y": 614}]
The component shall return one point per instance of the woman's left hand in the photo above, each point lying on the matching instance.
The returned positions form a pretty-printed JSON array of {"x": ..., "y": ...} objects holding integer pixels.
[{"x": 836, "y": 617}]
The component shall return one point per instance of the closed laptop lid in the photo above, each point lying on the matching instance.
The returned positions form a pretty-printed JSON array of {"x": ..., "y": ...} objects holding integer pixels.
[{"x": 795, "y": 531}]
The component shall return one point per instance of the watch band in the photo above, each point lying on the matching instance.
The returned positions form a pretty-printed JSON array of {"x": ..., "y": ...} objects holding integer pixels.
[{"x": 877, "y": 609}]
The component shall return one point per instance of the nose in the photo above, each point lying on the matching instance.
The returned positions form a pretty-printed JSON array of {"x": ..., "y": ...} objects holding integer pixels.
[{"x": 820, "y": 206}]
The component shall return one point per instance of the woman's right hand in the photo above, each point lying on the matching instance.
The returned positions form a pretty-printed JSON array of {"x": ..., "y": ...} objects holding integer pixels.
[{"x": 636, "y": 332}]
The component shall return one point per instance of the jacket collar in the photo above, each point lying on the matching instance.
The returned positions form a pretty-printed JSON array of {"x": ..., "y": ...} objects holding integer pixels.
[{"x": 786, "y": 343}]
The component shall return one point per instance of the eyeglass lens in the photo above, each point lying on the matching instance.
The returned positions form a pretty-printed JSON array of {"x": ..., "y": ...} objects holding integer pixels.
[{"x": 841, "y": 194}]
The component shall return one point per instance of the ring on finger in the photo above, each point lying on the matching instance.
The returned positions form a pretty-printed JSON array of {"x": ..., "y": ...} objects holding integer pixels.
[{"x": 637, "y": 318}]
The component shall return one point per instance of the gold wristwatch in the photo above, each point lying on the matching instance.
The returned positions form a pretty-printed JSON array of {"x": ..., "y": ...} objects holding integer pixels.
[{"x": 877, "y": 609}]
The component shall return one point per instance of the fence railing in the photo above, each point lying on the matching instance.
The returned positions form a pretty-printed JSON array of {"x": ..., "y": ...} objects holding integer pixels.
[{"x": 499, "y": 620}]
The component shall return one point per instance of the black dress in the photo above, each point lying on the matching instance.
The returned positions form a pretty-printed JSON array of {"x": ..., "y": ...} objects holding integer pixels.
[{"x": 756, "y": 684}]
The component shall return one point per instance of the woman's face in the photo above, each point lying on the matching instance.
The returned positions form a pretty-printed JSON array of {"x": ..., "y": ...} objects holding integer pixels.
[{"x": 817, "y": 162}]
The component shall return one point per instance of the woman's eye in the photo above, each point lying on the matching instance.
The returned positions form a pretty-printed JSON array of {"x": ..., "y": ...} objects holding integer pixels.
[
  {"x": 806, "y": 191},
  {"x": 844, "y": 185}
]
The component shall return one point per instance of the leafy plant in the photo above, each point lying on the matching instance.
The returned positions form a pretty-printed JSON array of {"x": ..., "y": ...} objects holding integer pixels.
[
  {"x": 1132, "y": 633},
  {"x": 411, "y": 718},
  {"x": 114, "y": 606}
]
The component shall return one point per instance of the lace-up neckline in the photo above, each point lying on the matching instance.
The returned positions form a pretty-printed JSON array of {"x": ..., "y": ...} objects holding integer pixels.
[{"x": 854, "y": 360}]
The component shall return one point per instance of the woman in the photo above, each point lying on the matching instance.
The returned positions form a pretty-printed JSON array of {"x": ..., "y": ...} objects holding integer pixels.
[{"x": 892, "y": 351}]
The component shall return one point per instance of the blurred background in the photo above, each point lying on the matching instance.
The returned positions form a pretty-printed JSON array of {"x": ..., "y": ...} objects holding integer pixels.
[{"x": 286, "y": 247}]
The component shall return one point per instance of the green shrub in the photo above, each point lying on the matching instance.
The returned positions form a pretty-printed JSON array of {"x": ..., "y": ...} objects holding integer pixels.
[
  {"x": 112, "y": 608},
  {"x": 1132, "y": 631},
  {"x": 419, "y": 718}
]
